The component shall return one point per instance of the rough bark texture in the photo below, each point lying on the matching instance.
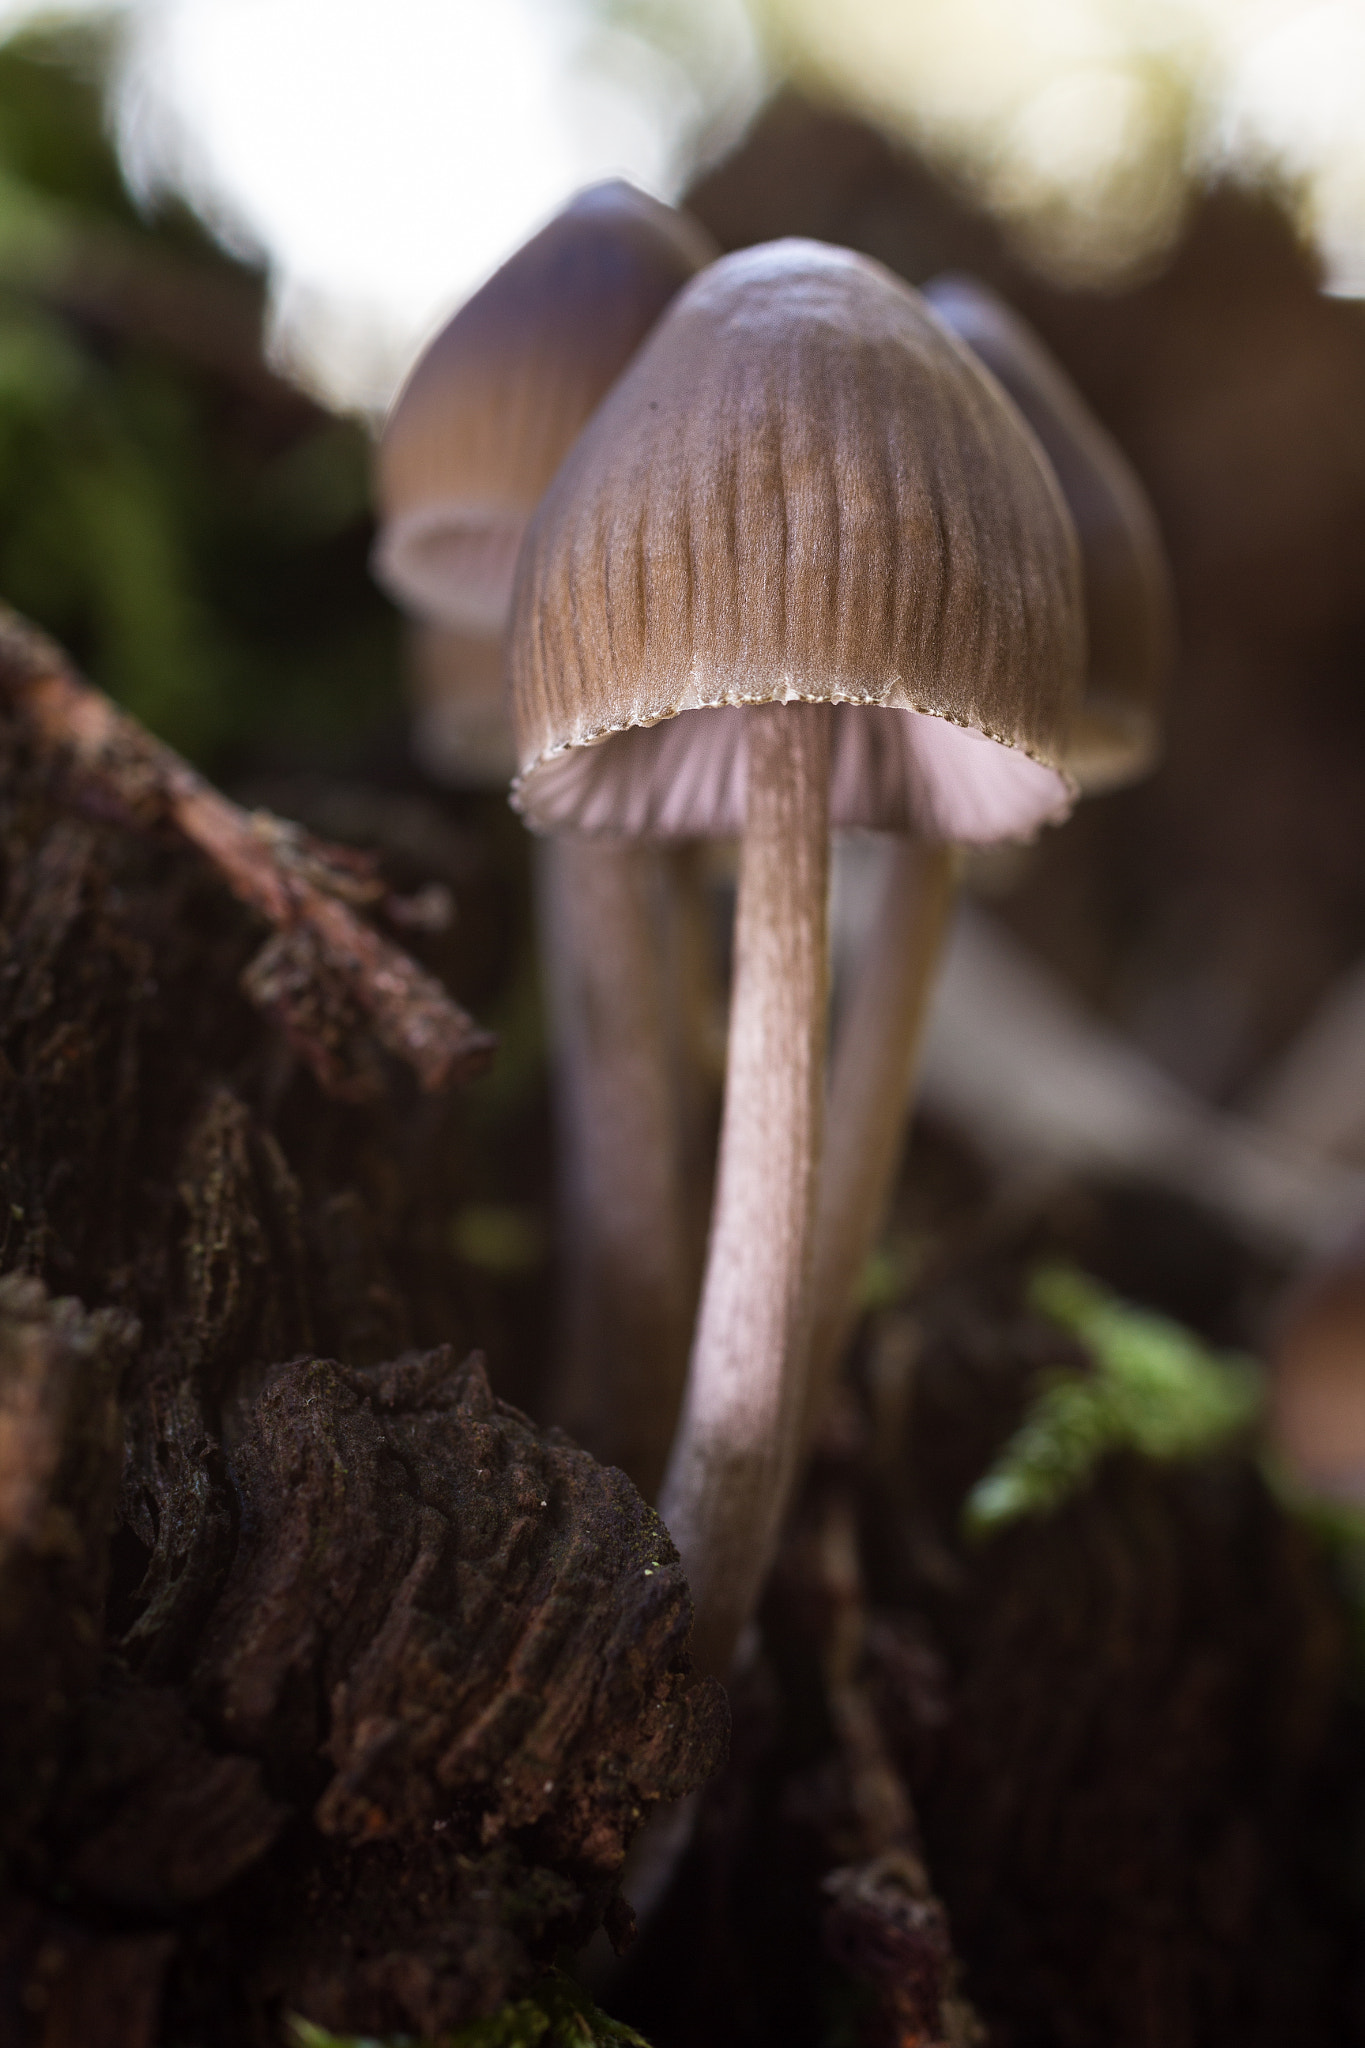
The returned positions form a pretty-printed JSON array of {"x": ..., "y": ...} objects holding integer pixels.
[
  {"x": 441, "y": 1681},
  {"x": 343, "y": 995},
  {"x": 327, "y": 1687},
  {"x": 59, "y": 1459}
]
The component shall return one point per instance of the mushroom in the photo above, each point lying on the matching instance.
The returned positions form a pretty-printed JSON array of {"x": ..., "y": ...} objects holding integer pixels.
[
  {"x": 495, "y": 401},
  {"x": 1113, "y": 739},
  {"x": 474, "y": 437},
  {"x": 803, "y": 566},
  {"x": 1129, "y": 607}
]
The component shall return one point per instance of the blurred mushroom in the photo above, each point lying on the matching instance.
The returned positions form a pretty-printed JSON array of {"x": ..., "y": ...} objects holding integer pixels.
[
  {"x": 1129, "y": 606},
  {"x": 804, "y": 567},
  {"x": 1113, "y": 739},
  {"x": 474, "y": 437},
  {"x": 495, "y": 401}
]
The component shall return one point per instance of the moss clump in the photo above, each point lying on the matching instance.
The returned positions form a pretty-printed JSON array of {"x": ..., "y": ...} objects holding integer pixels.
[
  {"x": 556, "y": 2014},
  {"x": 1152, "y": 1388}
]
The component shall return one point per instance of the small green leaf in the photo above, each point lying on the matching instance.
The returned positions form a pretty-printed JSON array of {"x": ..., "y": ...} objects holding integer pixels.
[
  {"x": 1154, "y": 1388},
  {"x": 303, "y": 2034},
  {"x": 556, "y": 2014}
]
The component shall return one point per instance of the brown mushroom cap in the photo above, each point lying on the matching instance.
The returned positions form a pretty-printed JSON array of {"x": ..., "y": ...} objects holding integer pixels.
[
  {"x": 1129, "y": 608},
  {"x": 803, "y": 489},
  {"x": 486, "y": 416}
]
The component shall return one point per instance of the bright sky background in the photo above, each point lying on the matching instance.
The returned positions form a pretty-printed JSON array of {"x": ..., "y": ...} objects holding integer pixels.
[
  {"x": 386, "y": 154},
  {"x": 1083, "y": 118},
  {"x": 389, "y": 153}
]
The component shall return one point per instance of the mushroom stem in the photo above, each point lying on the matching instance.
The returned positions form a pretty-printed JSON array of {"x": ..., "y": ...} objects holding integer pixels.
[
  {"x": 629, "y": 1279},
  {"x": 735, "y": 1451},
  {"x": 697, "y": 998},
  {"x": 870, "y": 1091}
]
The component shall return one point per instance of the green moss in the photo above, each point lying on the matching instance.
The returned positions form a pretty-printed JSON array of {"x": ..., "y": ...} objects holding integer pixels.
[
  {"x": 1153, "y": 1388},
  {"x": 192, "y": 531},
  {"x": 556, "y": 2014}
]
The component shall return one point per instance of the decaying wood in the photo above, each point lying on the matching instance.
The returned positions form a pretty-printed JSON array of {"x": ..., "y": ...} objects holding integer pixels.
[
  {"x": 340, "y": 991},
  {"x": 1124, "y": 1767},
  {"x": 70, "y": 1988},
  {"x": 332, "y": 1687},
  {"x": 496, "y": 1624},
  {"x": 59, "y": 1459},
  {"x": 442, "y": 1681},
  {"x": 883, "y": 1924},
  {"x": 1087, "y": 1779},
  {"x": 805, "y": 1888}
]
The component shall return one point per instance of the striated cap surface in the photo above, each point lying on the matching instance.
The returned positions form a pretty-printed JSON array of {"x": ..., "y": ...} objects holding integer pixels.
[
  {"x": 803, "y": 488},
  {"x": 495, "y": 401},
  {"x": 1129, "y": 608}
]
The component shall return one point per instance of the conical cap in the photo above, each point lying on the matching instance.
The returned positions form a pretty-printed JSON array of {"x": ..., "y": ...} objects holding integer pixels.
[
  {"x": 495, "y": 401},
  {"x": 802, "y": 489},
  {"x": 1129, "y": 610}
]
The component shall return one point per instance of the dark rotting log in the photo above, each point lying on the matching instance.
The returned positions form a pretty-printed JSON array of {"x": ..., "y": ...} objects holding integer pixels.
[
  {"x": 340, "y": 991},
  {"x": 334, "y": 1687},
  {"x": 436, "y": 1676},
  {"x": 59, "y": 1463}
]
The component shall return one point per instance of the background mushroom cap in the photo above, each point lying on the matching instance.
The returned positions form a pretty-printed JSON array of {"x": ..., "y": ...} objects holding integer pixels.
[
  {"x": 495, "y": 401},
  {"x": 803, "y": 489},
  {"x": 1128, "y": 597}
]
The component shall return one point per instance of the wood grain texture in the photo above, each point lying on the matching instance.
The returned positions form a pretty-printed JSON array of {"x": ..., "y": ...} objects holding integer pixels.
[
  {"x": 1129, "y": 600},
  {"x": 802, "y": 489},
  {"x": 342, "y": 994}
]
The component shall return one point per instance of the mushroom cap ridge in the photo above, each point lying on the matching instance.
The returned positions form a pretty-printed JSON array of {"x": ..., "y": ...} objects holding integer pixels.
[
  {"x": 1128, "y": 597},
  {"x": 804, "y": 488},
  {"x": 497, "y": 397}
]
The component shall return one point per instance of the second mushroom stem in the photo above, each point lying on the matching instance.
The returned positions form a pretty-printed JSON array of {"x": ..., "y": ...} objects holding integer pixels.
[
  {"x": 729, "y": 1473},
  {"x": 869, "y": 1097},
  {"x": 629, "y": 1278}
]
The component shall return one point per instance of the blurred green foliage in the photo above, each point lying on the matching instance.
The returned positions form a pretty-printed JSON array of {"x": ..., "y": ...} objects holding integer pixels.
[
  {"x": 557, "y": 2014},
  {"x": 501, "y": 1237},
  {"x": 193, "y": 529},
  {"x": 1152, "y": 1388}
]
